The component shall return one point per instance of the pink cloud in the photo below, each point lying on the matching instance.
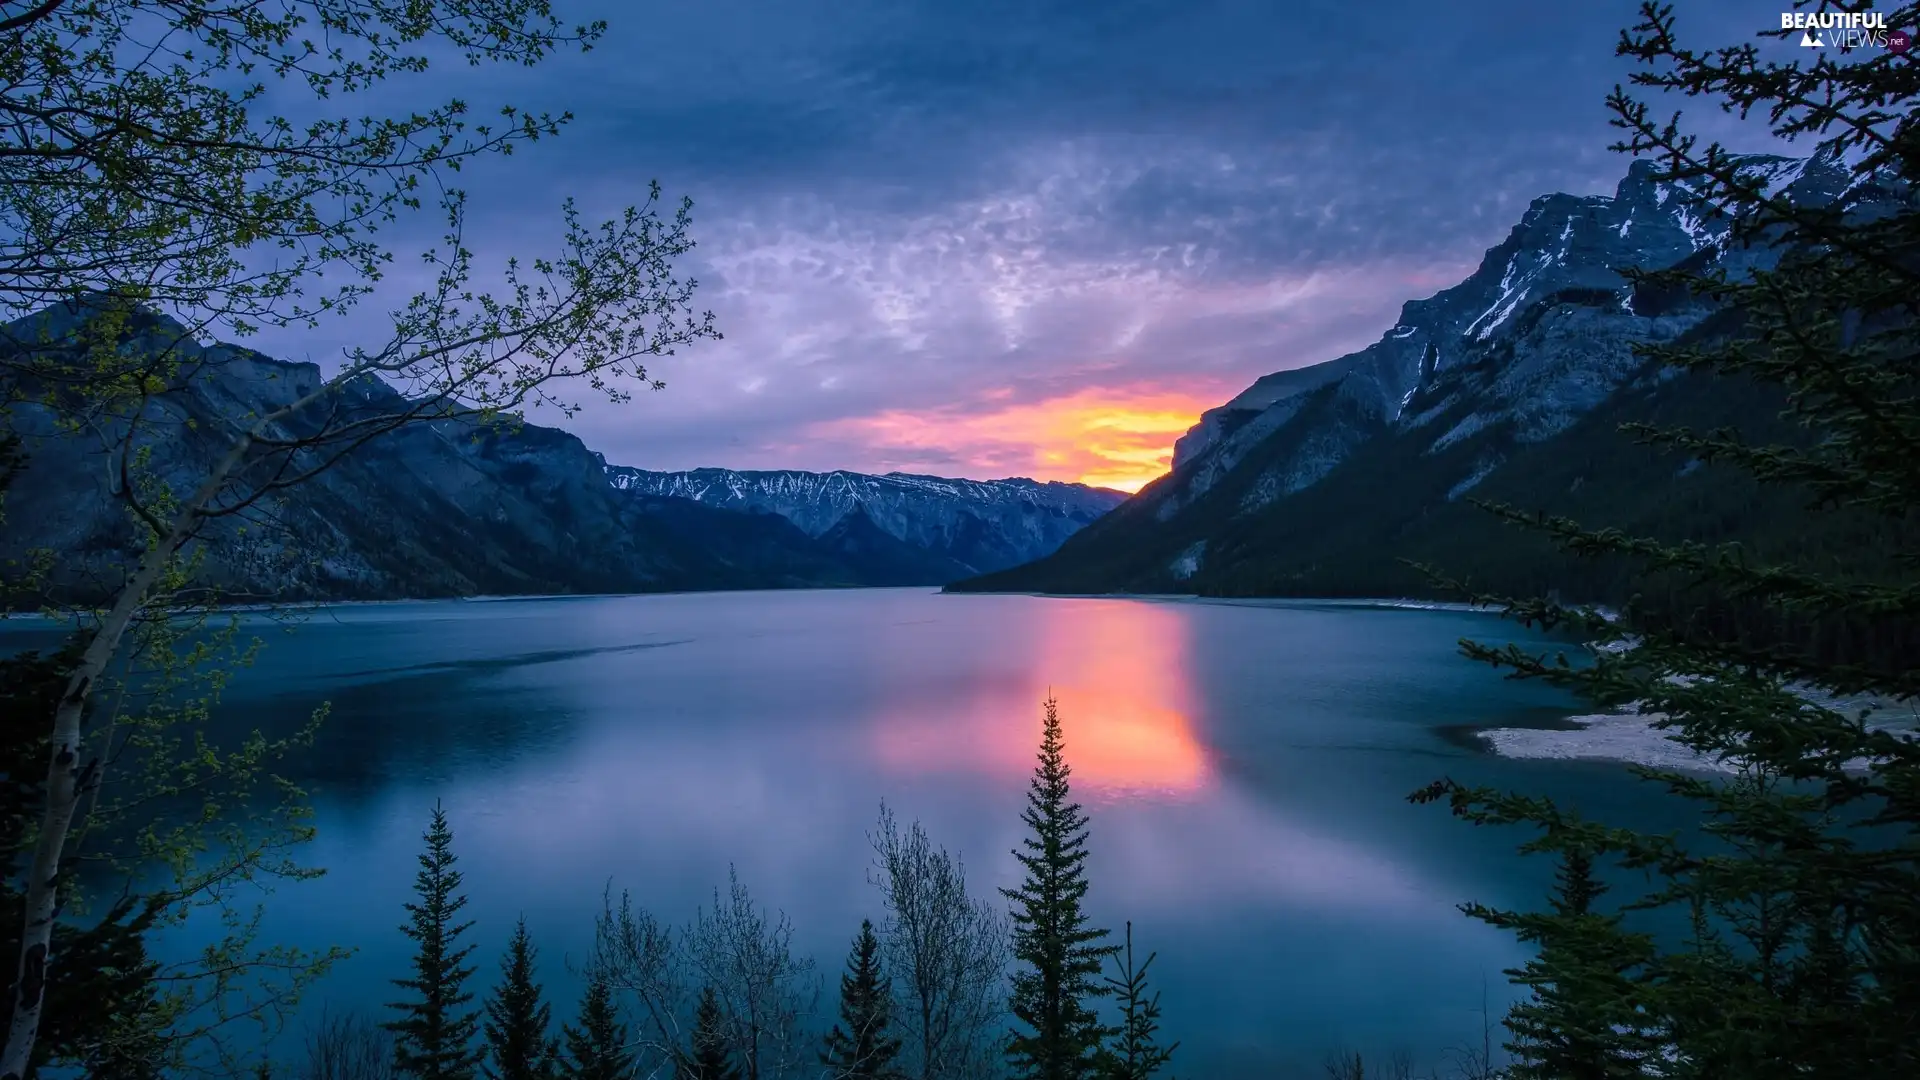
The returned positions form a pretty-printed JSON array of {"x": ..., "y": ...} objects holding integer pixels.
[{"x": 1118, "y": 437}]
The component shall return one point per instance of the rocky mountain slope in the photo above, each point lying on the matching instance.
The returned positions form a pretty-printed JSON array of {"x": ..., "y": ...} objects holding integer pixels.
[
  {"x": 964, "y": 526},
  {"x": 451, "y": 508},
  {"x": 1320, "y": 480}
]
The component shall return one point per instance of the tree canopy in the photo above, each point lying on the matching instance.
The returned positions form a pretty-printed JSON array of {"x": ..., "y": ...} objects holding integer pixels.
[
  {"x": 177, "y": 170},
  {"x": 1800, "y": 950}
]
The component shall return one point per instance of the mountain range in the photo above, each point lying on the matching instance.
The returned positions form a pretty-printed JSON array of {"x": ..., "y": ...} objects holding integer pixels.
[
  {"x": 1345, "y": 478},
  {"x": 1332, "y": 479},
  {"x": 456, "y": 508},
  {"x": 976, "y": 526}
]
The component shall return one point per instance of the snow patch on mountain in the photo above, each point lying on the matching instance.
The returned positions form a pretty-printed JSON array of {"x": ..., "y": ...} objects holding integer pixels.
[
  {"x": 1542, "y": 331},
  {"x": 1187, "y": 563},
  {"x": 982, "y": 524},
  {"x": 1480, "y": 472}
]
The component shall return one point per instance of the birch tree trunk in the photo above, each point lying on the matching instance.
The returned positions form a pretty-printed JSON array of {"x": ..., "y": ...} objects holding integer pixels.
[{"x": 68, "y": 778}]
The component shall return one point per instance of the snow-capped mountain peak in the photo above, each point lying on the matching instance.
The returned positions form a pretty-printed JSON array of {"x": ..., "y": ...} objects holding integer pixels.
[{"x": 983, "y": 524}]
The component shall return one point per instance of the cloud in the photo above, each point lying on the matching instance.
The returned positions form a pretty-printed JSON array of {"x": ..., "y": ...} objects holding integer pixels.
[
  {"x": 957, "y": 237},
  {"x": 1119, "y": 438},
  {"x": 1066, "y": 326}
]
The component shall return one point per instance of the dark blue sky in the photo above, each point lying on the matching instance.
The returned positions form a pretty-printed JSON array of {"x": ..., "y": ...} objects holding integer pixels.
[{"x": 998, "y": 237}]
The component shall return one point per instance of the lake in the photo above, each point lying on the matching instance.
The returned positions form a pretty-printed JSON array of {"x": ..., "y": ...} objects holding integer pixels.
[{"x": 1245, "y": 766}]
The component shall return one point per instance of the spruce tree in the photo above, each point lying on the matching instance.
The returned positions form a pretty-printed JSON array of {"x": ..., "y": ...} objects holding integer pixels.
[
  {"x": 710, "y": 1057},
  {"x": 518, "y": 1043},
  {"x": 1058, "y": 953},
  {"x": 1580, "y": 1023},
  {"x": 1135, "y": 1052},
  {"x": 434, "y": 1036},
  {"x": 861, "y": 1046},
  {"x": 1804, "y": 894},
  {"x": 597, "y": 1049}
]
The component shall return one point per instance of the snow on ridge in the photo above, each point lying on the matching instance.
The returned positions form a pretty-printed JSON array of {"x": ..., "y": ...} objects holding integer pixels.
[
  {"x": 731, "y": 485},
  {"x": 1512, "y": 293},
  {"x": 1694, "y": 225},
  {"x": 1506, "y": 290},
  {"x": 1783, "y": 173},
  {"x": 1703, "y": 229}
]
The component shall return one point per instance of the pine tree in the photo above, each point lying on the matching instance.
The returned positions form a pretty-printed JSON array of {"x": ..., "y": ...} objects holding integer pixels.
[
  {"x": 597, "y": 1049},
  {"x": 1059, "y": 954},
  {"x": 434, "y": 1037},
  {"x": 861, "y": 1045},
  {"x": 1135, "y": 1052},
  {"x": 710, "y": 1058},
  {"x": 1804, "y": 897},
  {"x": 518, "y": 1022},
  {"x": 1580, "y": 1023}
]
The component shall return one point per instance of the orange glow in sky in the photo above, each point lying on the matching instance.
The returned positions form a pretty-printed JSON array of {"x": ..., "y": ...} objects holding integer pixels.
[
  {"x": 1116, "y": 438},
  {"x": 1119, "y": 672}
]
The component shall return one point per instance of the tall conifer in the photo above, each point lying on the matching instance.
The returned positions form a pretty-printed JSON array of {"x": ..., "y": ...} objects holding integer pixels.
[
  {"x": 597, "y": 1049},
  {"x": 434, "y": 1036},
  {"x": 1581, "y": 1022},
  {"x": 710, "y": 1057},
  {"x": 1058, "y": 952},
  {"x": 519, "y": 1045},
  {"x": 861, "y": 1046},
  {"x": 1787, "y": 667},
  {"x": 1135, "y": 1052}
]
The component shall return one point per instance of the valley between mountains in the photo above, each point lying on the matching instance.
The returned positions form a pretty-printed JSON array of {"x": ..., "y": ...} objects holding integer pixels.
[{"x": 1336, "y": 478}]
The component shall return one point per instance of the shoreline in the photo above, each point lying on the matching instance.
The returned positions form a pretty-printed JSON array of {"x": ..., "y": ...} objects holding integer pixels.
[
  {"x": 1623, "y": 737},
  {"x": 1373, "y": 603},
  {"x": 1629, "y": 737},
  {"x": 1383, "y": 603},
  {"x": 292, "y": 606}
]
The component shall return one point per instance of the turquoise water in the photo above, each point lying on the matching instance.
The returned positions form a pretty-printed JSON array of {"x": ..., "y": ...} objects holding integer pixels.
[{"x": 1245, "y": 767}]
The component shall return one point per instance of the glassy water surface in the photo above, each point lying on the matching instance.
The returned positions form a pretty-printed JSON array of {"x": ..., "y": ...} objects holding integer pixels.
[{"x": 1245, "y": 767}]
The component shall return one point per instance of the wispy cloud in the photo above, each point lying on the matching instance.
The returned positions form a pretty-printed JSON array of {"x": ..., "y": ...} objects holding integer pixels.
[
  {"x": 1118, "y": 438},
  {"x": 1042, "y": 236}
]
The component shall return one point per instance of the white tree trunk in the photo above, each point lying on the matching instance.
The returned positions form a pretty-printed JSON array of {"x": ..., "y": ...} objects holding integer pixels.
[{"x": 66, "y": 775}]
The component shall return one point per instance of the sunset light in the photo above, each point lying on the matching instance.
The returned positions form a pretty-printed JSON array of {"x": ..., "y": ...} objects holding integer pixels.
[
  {"x": 921, "y": 496},
  {"x": 1115, "y": 438},
  {"x": 1119, "y": 671}
]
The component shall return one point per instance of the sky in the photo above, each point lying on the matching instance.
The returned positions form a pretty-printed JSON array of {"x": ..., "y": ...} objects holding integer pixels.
[{"x": 992, "y": 238}]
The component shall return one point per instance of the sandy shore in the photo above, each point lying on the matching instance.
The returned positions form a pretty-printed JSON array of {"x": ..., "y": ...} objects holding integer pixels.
[{"x": 1629, "y": 736}]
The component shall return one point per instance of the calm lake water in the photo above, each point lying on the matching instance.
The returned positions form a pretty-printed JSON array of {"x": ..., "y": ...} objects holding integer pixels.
[{"x": 1245, "y": 767}]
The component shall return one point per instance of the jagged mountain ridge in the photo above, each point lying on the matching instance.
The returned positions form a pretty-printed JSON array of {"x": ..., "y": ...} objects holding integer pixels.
[
  {"x": 973, "y": 526},
  {"x": 1479, "y": 378},
  {"x": 448, "y": 508},
  {"x": 1546, "y": 286}
]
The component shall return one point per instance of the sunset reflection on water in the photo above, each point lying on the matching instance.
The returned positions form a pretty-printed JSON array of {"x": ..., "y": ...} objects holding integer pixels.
[
  {"x": 1244, "y": 768},
  {"x": 1174, "y": 833},
  {"x": 1119, "y": 671}
]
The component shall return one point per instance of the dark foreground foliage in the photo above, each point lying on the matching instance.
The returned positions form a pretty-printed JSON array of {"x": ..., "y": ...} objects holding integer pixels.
[{"x": 1803, "y": 899}]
